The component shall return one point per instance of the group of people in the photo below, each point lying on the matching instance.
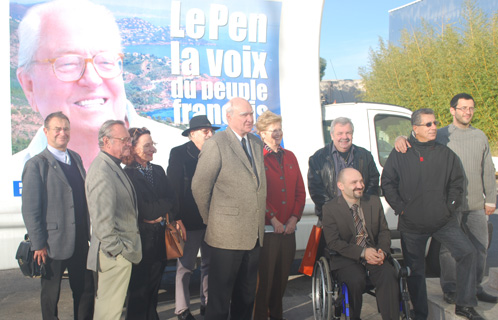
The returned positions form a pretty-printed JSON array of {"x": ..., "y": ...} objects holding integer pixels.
[
  {"x": 440, "y": 183},
  {"x": 127, "y": 208},
  {"x": 234, "y": 196}
]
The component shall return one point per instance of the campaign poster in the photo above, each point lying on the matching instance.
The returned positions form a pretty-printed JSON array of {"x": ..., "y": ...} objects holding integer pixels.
[{"x": 181, "y": 59}]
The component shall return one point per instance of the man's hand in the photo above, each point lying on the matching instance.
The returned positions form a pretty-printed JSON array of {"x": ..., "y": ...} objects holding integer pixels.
[
  {"x": 374, "y": 257},
  {"x": 401, "y": 144},
  {"x": 489, "y": 210},
  {"x": 290, "y": 227},
  {"x": 40, "y": 256},
  {"x": 277, "y": 225}
]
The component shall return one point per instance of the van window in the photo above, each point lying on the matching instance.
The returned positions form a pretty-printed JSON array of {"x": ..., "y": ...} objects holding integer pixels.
[
  {"x": 326, "y": 131},
  {"x": 387, "y": 129}
]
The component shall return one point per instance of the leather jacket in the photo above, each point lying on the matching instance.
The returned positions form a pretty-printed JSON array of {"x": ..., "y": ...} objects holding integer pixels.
[{"x": 322, "y": 175}]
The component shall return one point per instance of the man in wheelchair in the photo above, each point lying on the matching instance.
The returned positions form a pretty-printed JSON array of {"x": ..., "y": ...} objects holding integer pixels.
[{"x": 355, "y": 228}]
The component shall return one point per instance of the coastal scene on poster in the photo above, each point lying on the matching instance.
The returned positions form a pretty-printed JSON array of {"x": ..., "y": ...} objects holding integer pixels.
[{"x": 182, "y": 58}]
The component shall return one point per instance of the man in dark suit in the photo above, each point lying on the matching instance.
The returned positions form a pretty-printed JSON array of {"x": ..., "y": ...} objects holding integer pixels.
[
  {"x": 229, "y": 187},
  {"x": 182, "y": 163},
  {"x": 55, "y": 212},
  {"x": 355, "y": 227},
  {"x": 112, "y": 203}
]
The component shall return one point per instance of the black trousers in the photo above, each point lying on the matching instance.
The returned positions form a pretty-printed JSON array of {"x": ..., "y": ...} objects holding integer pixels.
[
  {"x": 80, "y": 280},
  {"x": 232, "y": 283},
  {"x": 146, "y": 276},
  {"x": 384, "y": 279}
]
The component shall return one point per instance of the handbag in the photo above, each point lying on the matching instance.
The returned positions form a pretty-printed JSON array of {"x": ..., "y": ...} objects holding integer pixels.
[
  {"x": 308, "y": 262},
  {"x": 173, "y": 240},
  {"x": 29, "y": 267}
]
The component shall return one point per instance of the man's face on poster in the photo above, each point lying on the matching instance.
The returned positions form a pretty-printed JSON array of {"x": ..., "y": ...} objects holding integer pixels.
[{"x": 89, "y": 101}]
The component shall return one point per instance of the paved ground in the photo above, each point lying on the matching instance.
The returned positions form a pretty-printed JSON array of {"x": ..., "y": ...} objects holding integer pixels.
[{"x": 19, "y": 296}]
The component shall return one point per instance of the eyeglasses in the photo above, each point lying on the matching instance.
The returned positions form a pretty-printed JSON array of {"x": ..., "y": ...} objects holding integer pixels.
[
  {"x": 59, "y": 129},
  {"x": 466, "y": 109},
  {"x": 140, "y": 131},
  {"x": 276, "y": 131},
  {"x": 123, "y": 140},
  {"x": 428, "y": 124},
  {"x": 71, "y": 67}
]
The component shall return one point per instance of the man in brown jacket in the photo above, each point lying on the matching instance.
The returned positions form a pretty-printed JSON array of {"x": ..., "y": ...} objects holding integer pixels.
[{"x": 229, "y": 187}]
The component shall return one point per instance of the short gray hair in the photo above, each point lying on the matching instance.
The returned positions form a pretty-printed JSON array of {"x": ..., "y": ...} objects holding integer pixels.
[
  {"x": 342, "y": 121},
  {"x": 30, "y": 27},
  {"x": 417, "y": 115},
  {"x": 105, "y": 130}
]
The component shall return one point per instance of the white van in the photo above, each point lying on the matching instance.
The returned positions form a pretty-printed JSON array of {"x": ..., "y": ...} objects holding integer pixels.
[{"x": 376, "y": 126}]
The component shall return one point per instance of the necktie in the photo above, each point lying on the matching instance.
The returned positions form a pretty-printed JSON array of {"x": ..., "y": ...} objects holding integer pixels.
[
  {"x": 244, "y": 146},
  {"x": 361, "y": 238}
]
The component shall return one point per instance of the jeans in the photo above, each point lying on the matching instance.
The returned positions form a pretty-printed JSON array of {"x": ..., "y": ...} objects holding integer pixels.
[
  {"x": 475, "y": 225},
  {"x": 462, "y": 250}
]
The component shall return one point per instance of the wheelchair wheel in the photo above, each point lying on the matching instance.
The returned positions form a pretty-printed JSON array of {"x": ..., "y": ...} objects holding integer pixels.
[{"x": 322, "y": 291}]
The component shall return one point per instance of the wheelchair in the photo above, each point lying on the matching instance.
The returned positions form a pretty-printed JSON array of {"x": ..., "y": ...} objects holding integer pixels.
[{"x": 331, "y": 299}]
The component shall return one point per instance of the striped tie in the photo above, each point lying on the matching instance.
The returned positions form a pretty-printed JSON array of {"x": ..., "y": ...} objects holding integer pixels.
[{"x": 361, "y": 238}]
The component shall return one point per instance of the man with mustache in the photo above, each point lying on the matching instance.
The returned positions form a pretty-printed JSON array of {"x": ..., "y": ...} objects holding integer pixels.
[
  {"x": 355, "y": 227},
  {"x": 471, "y": 146},
  {"x": 341, "y": 153},
  {"x": 424, "y": 186}
]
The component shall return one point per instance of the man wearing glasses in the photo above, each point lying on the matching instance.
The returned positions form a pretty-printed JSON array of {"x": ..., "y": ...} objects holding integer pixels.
[
  {"x": 472, "y": 147},
  {"x": 112, "y": 205},
  {"x": 68, "y": 64},
  {"x": 55, "y": 212},
  {"x": 424, "y": 186}
]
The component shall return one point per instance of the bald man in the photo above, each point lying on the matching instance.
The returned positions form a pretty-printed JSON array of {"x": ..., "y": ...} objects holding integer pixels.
[{"x": 354, "y": 226}]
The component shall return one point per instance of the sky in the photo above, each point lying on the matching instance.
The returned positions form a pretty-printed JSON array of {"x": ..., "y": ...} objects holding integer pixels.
[{"x": 349, "y": 29}]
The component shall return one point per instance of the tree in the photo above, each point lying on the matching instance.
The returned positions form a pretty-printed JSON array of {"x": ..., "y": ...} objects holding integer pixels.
[
  {"x": 431, "y": 65},
  {"x": 323, "y": 66}
]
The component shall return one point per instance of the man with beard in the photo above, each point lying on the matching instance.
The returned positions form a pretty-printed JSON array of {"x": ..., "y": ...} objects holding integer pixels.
[
  {"x": 355, "y": 227},
  {"x": 472, "y": 147},
  {"x": 341, "y": 153}
]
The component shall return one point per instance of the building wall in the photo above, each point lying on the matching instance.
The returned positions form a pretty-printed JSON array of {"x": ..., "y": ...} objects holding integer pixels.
[{"x": 435, "y": 12}]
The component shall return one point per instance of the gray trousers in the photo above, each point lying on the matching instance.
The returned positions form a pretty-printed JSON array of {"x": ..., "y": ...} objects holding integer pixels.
[
  {"x": 185, "y": 266},
  {"x": 475, "y": 225}
]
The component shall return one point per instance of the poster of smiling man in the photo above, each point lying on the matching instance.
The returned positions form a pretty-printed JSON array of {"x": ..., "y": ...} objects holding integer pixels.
[{"x": 150, "y": 63}]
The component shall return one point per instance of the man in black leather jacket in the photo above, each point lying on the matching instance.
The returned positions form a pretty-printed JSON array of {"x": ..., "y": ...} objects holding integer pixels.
[{"x": 326, "y": 163}]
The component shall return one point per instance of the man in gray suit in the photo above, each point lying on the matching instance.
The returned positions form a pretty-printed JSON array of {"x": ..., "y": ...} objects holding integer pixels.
[
  {"x": 229, "y": 187},
  {"x": 55, "y": 212},
  {"x": 115, "y": 243}
]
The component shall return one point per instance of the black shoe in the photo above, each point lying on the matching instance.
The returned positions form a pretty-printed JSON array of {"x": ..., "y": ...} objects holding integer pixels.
[
  {"x": 203, "y": 310},
  {"x": 186, "y": 315},
  {"x": 468, "y": 312},
  {"x": 486, "y": 297},
  {"x": 449, "y": 297}
]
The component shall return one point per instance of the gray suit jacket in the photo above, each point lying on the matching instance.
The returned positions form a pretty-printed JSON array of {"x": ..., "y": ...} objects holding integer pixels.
[
  {"x": 340, "y": 233},
  {"x": 231, "y": 199},
  {"x": 48, "y": 206},
  {"x": 113, "y": 210}
]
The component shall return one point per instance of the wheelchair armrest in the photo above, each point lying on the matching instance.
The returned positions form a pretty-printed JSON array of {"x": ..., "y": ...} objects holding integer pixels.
[
  {"x": 402, "y": 272},
  {"x": 328, "y": 253}
]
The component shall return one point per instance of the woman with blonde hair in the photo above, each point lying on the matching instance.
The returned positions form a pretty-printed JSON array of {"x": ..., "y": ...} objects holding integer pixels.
[{"x": 284, "y": 206}]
